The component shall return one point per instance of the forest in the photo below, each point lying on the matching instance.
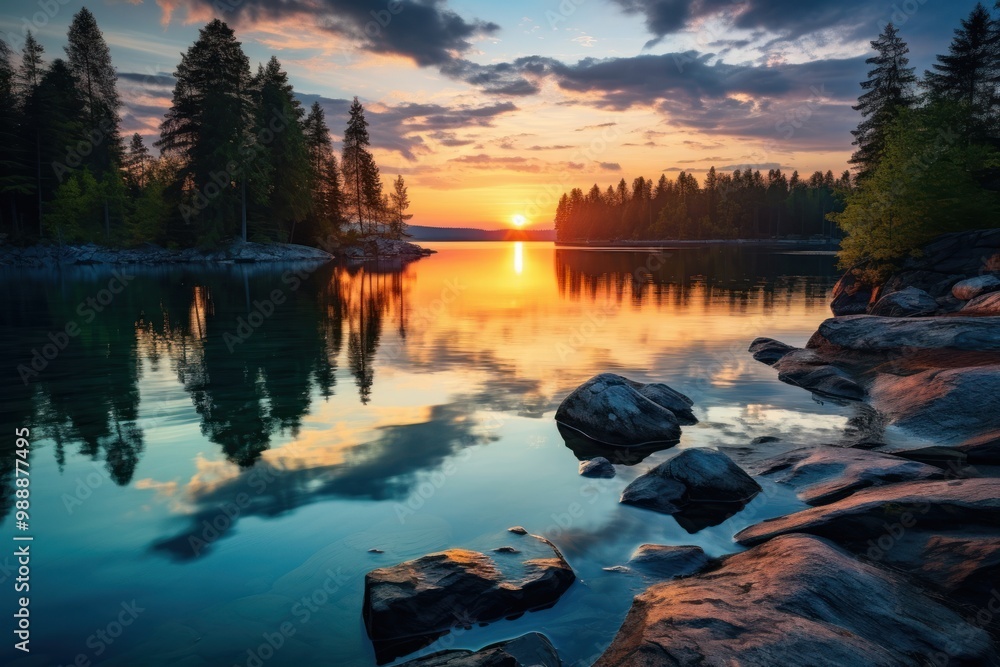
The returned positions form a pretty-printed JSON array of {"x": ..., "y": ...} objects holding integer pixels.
[
  {"x": 926, "y": 162},
  {"x": 239, "y": 157}
]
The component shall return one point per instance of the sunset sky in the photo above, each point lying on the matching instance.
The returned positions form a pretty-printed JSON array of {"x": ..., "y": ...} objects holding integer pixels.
[{"x": 491, "y": 109}]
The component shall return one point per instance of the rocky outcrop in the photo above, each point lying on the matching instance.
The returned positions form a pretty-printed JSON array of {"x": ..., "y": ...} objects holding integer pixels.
[
  {"x": 613, "y": 410},
  {"x": 693, "y": 477},
  {"x": 796, "y": 600},
  {"x": 879, "y": 334},
  {"x": 668, "y": 562},
  {"x": 809, "y": 370},
  {"x": 233, "y": 252},
  {"x": 907, "y": 302},
  {"x": 599, "y": 468},
  {"x": 530, "y": 650},
  {"x": 947, "y": 261},
  {"x": 376, "y": 247},
  {"x": 850, "y": 295},
  {"x": 409, "y": 605},
  {"x": 868, "y": 514},
  {"x": 825, "y": 474}
]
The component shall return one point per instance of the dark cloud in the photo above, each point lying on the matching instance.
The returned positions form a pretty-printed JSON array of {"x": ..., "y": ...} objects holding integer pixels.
[
  {"x": 611, "y": 166},
  {"x": 426, "y": 31}
]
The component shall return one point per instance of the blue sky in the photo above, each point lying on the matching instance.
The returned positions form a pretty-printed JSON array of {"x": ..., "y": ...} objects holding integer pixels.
[{"x": 501, "y": 105}]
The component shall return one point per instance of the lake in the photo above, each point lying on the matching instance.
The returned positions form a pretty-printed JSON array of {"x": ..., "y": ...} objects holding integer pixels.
[{"x": 215, "y": 451}]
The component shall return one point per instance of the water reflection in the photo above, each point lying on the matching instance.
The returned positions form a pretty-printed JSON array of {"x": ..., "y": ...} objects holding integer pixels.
[{"x": 321, "y": 400}]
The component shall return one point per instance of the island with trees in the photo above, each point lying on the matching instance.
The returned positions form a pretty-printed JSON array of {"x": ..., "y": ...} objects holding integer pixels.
[{"x": 242, "y": 168}]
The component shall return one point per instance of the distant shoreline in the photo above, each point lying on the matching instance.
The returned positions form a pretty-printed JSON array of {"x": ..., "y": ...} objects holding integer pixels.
[{"x": 800, "y": 244}]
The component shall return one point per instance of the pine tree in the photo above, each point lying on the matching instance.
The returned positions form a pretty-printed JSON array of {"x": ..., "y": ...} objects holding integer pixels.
[
  {"x": 89, "y": 59},
  {"x": 283, "y": 158},
  {"x": 399, "y": 204},
  {"x": 968, "y": 72},
  {"x": 889, "y": 89},
  {"x": 15, "y": 181},
  {"x": 324, "y": 178},
  {"x": 362, "y": 182},
  {"x": 208, "y": 128},
  {"x": 29, "y": 77},
  {"x": 137, "y": 164}
]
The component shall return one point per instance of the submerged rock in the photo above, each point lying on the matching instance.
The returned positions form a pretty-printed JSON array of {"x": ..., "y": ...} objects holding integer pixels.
[
  {"x": 908, "y": 302},
  {"x": 825, "y": 474},
  {"x": 974, "y": 287},
  {"x": 769, "y": 351},
  {"x": 407, "y": 606},
  {"x": 597, "y": 468},
  {"x": 530, "y": 650},
  {"x": 797, "y": 600},
  {"x": 694, "y": 476},
  {"x": 668, "y": 562},
  {"x": 611, "y": 410}
]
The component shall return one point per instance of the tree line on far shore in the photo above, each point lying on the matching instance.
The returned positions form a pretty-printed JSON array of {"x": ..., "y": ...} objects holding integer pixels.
[
  {"x": 239, "y": 155},
  {"x": 926, "y": 162}
]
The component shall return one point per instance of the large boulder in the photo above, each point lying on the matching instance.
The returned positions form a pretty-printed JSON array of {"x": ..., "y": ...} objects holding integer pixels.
[
  {"x": 797, "y": 600},
  {"x": 971, "y": 288},
  {"x": 985, "y": 304},
  {"x": 869, "y": 333},
  {"x": 407, "y": 606},
  {"x": 530, "y": 650},
  {"x": 613, "y": 410},
  {"x": 769, "y": 351},
  {"x": 949, "y": 259},
  {"x": 908, "y": 302},
  {"x": 668, "y": 562},
  {"x": 825, "y": 474},
  {"x": 811, "y": 371},
  {"x": 692, "y": 477}
]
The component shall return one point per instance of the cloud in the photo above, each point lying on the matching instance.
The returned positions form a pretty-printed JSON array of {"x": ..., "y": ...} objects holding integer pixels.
[
  {"x": 425, "y": 31},
  {"x": 610, "y": 166}
]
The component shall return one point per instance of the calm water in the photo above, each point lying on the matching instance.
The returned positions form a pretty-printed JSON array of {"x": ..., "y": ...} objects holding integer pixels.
[{"x": 228, "y": 471}]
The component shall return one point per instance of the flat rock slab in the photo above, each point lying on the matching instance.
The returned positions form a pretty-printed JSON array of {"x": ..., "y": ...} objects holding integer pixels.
[
  {"x": 614, "y": 410},
  {"x": 947, "y": 406},
  {"x": 530, "y": 650},
  {"x": 695, "y": 476},
  {"x": 824, "y": 474},
  {"x": 797, "y": 600},
  {"x": 985, "y": 305},
  {"x": 871, "y": 513},
  {"x": 869, "y": 333},
  {"x": 407, "y": 606}
]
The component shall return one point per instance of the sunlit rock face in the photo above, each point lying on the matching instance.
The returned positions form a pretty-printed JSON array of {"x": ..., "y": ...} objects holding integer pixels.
[
  {"x": 409, "y": 605},
  {"x": 907, "y": 302},
  {"x": 796, "y": 600},
  {"x": 614, "y": 410}
]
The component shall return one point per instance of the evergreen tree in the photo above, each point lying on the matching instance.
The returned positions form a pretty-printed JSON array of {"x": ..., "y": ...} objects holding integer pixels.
[
  {"x": 324, "y": 178},
  {"x": 362, "y": 181},
  {"x": 137, "y": 163},
  {"x": 89, "y": 59},
  {"x": 283, "y": 163},
  {"x": 209, "y": 129},
  {"x": 968, "y": 72},
  {"x": 399, "y": 205},
  {"x": 888, "y": 89},
  {"x": 15, "y": 180},
  {"x": 29, "y": 77}
]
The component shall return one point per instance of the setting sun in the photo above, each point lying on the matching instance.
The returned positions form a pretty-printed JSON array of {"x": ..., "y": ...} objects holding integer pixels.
[{"x": 519, "y": 221}]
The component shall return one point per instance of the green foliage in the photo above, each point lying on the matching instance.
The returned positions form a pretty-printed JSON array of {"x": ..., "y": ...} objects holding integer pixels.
[{"x": 924, "y": 185}]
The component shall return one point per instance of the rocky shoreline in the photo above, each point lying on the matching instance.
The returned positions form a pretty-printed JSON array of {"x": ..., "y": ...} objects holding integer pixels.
[
  {"x": 896, "y": 560},
  {"x": 234, "y": 252}
]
